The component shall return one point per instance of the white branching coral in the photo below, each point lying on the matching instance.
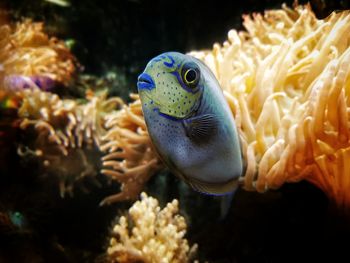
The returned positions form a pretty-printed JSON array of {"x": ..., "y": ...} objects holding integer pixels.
[
  {"x": 151, "y": 235},
  {"x": 287, "y": 80}
]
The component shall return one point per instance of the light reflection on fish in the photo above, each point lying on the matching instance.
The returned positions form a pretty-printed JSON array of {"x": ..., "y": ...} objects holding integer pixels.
[{"x": 190, "y": 122}]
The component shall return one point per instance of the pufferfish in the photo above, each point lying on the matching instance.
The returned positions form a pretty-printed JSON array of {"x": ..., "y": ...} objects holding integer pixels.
[{"x": 190, "y": 123}]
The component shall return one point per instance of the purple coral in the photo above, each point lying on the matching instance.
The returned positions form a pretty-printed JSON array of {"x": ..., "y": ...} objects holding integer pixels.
[{"x": 20, "y": 82}]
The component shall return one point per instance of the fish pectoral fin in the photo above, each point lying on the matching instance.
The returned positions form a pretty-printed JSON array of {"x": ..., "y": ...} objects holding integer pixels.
[{"x": 200, "y": 128}]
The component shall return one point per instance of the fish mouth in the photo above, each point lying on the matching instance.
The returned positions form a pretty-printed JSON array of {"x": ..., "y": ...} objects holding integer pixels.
[{"x": 145, "y": 81}]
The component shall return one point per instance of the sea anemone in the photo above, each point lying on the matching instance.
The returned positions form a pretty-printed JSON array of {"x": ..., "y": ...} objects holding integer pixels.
[
  {"x": 130, "y": 159},
  {"x": 287, "y": 81},
  {"x": 31, "y": 61},
  {"x": 63, "y": 128},
  {"x": 25, "y": 50}
]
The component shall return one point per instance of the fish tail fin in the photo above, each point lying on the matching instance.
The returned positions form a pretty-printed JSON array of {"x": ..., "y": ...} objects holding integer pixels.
[{"x": 225, "y": 204}]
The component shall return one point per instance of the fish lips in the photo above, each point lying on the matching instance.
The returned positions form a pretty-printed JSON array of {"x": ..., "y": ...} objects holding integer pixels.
[{"x": 145, "y": 82}]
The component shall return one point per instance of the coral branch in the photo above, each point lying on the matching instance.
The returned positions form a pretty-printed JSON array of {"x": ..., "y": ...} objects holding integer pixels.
[{"x": 155, "y": 234}]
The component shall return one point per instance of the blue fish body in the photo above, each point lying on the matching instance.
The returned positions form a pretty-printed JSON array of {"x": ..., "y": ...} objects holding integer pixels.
[{"x": 190, "y": 123}]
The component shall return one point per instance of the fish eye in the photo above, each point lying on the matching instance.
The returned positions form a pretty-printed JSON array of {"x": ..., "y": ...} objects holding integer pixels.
[{"x": 190, "y": 75}]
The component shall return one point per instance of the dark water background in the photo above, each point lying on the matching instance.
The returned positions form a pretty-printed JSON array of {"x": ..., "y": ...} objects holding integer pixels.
[{"x": 293, "y": 224}]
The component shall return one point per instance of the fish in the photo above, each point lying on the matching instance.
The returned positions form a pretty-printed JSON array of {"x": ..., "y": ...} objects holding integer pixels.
[{"x": 190, "y": 123}]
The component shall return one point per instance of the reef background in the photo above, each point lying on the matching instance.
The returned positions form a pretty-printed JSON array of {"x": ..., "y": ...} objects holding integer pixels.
[
  {"x": 118, "y": 38},
  {"x": 121, "y": 36}
]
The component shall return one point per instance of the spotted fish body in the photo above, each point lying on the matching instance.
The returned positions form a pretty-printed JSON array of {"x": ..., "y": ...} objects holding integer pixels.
[{"x": 190, "y": 122}]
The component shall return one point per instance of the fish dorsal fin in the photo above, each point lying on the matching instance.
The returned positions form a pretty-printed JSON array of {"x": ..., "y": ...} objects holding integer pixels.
[{"x": 200, "y": 128}]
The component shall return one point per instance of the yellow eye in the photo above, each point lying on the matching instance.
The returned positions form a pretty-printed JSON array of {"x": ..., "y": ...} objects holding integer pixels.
[{"x": 190, "y": 76}]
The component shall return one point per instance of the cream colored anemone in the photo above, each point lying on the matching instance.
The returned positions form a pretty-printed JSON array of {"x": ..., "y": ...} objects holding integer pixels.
[
  {"x": 287, "y": 79},
  {"x": 27, "y": 51},
  {"x": 64, "y": 126},
  {"x": 130, "y": 158},
  {"x": 66, "y": 122}
]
